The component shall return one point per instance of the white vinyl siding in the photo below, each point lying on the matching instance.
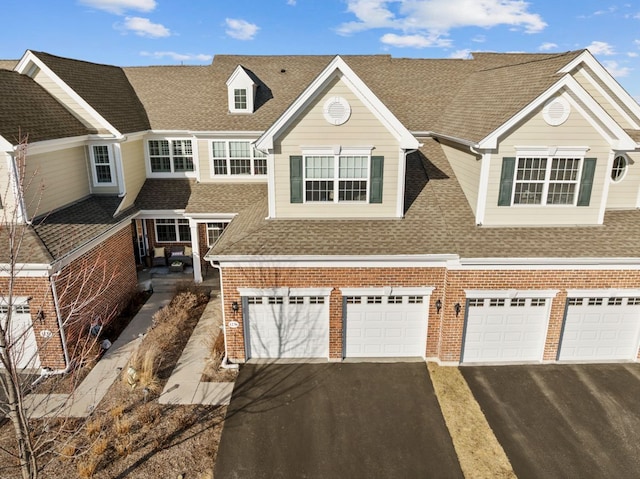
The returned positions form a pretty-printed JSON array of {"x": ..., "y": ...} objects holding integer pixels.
[
  {"x": 362, "y": 129},
  {"x": 576, "y": 131}
]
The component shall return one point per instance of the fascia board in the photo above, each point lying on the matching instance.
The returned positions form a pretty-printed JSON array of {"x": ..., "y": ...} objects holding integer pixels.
[
  {"x": 568, "y": 82},
  {"x": 588, "y": 59},
  {"x": 5, "y": 145},
  {"x": 29, "y": 56},
  {"x": 359, "y": 88},
  {"x": 47, "y": 146},
  {"x": 240, "y": 75}
]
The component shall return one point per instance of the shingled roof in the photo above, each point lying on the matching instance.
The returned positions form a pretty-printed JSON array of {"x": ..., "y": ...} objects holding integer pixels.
[
  {"x": 105, "y": 87},
  {"x": 69, "y": 228},
  {"x": 27, "y": 109},
  {"x": 438, "y": 220},
  {"x": 462, "y": 98}
]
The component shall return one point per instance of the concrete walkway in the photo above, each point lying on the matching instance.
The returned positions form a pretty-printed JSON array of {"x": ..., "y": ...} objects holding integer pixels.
[
  {"x": 184, "y": 385},
  {"x": 94, "y": 387}
]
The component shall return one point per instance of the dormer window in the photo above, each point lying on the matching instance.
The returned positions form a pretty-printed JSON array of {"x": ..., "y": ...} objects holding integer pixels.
[
  {"x": 241, "y": 90},
  {"x": 240, "y": 99}
]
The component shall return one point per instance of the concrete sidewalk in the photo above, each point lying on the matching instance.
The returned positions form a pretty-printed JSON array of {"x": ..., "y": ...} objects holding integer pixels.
[
  {"x": 94, "y": 387},
  {"x": 184, "y": 385}
]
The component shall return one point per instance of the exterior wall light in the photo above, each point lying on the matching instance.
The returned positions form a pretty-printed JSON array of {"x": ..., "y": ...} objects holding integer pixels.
[
  {"x": 438, "y": 305},
  {"x": 457, "y": 308},
  {"x": 235, "y": 307}
]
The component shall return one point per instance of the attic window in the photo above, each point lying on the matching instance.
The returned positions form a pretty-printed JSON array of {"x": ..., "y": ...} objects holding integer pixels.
[
  {"x": 556, "y": 111},
  {"x": 240, "y": 99},
  {"x": 336, "y": 110},
  {"x": 619, "y": 168}
]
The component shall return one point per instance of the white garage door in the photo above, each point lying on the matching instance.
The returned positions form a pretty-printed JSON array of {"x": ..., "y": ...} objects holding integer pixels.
[
  {"x": 287, "y": 327},
  {"x": 385, "y": 326},
  {"x": 600, "y": 329},
  {"x": 505, "y": 330},
  {"x": 24, "y": 349}
]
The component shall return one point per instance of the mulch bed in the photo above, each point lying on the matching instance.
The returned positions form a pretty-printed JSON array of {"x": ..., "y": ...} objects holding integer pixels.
[{"x": 130, "y": 434}]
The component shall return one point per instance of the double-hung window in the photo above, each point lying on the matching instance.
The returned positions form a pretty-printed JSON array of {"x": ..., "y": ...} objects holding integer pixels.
[
  {"x": 214, "y": 230},
  {"x": 102, "y": 165},
  {"x": 560, "y": 176},
  {"x": 236, "y": 157},
  {"x": 173, "y": 230},
  {"x": 337, "y": 178},
  {"x": 240, "y": 99},
  {"x": 171, "y": 156},
  {"x": 546, "y": 181}
]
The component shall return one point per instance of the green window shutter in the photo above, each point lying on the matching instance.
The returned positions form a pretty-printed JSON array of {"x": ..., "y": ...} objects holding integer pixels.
[
  {"x": 506, "y": 181},
  {"x": 295, "y": 171},
  {"x": 377, "y": 169},
  {"x": 586, "y": 182}
]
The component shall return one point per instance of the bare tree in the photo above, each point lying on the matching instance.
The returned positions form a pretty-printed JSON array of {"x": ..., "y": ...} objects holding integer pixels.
[{"x": 39, "y": 440}]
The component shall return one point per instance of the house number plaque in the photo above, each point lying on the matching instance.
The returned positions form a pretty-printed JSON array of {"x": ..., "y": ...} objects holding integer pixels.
[{"x": 234, "y": 324}]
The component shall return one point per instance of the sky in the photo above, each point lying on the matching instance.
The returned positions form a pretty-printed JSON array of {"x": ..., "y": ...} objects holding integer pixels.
[{"x": 191, "y": 32}]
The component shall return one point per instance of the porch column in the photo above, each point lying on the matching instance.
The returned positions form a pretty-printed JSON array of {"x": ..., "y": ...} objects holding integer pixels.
[{"x": 195, "y": 246}]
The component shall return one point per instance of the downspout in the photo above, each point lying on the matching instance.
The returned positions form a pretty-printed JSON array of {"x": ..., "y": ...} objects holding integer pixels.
[
  {"x": 47, "y": 372},
  {"x": 225, "y": 360}
]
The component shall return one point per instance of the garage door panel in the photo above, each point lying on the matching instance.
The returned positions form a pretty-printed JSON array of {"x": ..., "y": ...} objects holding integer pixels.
[
  {"x": 288, "y": 330},
  {"x": 496, "y": 331},
  {"x": 600, "y": 331},
  {"x": 384, "y": 329}
]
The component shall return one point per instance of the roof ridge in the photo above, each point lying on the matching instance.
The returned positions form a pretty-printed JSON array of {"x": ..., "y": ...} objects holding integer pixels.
[{"x": 531, "y": 60}]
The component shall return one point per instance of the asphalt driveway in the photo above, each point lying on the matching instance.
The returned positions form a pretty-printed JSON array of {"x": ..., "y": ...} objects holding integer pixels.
[
  {"x": 373, "y": 420},
  {"x": 563, "y": 421}
]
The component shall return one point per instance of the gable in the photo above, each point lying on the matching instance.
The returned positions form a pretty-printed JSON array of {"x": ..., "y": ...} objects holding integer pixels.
[
  {"x": 100, "y": 95},
  {"x": 338, "y": 69}
]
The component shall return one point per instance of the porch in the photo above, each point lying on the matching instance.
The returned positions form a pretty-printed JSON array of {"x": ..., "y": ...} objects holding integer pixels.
[{"x": 163, "y": 278}]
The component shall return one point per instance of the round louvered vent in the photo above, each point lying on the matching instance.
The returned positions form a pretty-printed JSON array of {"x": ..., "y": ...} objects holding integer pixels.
[
  {"x": 336, "y": 110},
  {"x": 556, "y": 111}
]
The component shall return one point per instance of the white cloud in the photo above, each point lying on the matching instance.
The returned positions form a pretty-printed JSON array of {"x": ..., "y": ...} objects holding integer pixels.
[
  {"x": 179, "y": 57},
  {"x": 413, "y": 41},
  {"x": 545, "y": 47},
  {"x": 145, "y": 28},
  {"x": 120, "y": 6},
  {"x": 432, "y": 19},
  {"x": 632, "y": 54},
  {"x": 601, "y": 48},
  {"x": 616, "y": 69},
  {"x": 462, "y": 54},
  {"x": 637, "y": 43},
  {"x": 291, "y": 2},
  {"x": 479, "y": 39},
  {"x": 241, "y": 29}
]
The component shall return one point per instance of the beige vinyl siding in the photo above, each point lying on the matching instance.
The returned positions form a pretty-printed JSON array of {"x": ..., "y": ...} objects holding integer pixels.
[
  {"x": 64, "y": 98},
  {"x": 576, "y": 131},
  {"x": 56, "y": 179},
  {"x": 134, "y": 170},
  {"x": 204, "y": 160},
  {"x": 362, "y": 129},
  {"x": 624, "y": 194},
  {"x": 600, "y": 98},
  {"x": 467, "y": 169}
]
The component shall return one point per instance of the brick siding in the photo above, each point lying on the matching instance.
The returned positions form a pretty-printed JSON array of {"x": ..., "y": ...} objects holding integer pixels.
[
  {"x": 445, "y": 329},
  {"x": 99, "y": 284}
]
